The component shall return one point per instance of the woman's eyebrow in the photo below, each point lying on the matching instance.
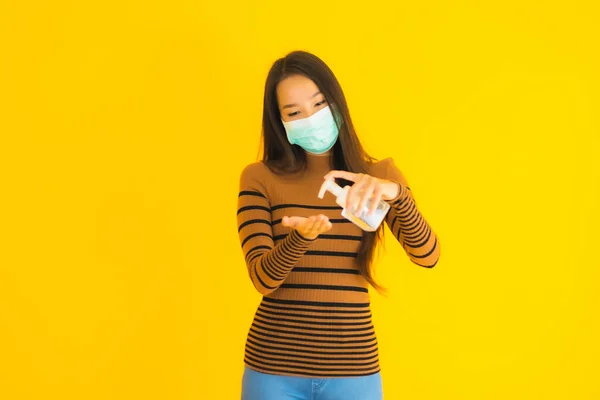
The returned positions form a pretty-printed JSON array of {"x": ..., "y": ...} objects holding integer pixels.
[{"x": 296, "y": 105}]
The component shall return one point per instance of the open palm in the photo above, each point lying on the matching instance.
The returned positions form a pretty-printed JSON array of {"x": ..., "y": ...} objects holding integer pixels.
[{"x": 310, "y": 227}]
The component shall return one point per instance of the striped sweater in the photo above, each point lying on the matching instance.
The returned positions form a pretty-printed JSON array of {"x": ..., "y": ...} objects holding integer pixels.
[{"x": 314, "y": 319}]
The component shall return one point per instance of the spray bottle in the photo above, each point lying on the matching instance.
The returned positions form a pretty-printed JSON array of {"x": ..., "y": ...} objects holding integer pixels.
[{"x": 366, "y": 222}]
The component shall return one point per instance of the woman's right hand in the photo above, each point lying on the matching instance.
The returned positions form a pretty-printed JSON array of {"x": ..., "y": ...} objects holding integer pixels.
[{"x": 310, "y": 227}]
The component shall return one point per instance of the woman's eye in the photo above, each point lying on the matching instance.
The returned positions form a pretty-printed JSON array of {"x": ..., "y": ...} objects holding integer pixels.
[
  {"x": 293, "y": 114},
  {"x": 320, "y": 103}
]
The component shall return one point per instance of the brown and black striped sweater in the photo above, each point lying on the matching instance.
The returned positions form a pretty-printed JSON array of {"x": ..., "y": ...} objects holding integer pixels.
[{"x": 314, "y": 319}]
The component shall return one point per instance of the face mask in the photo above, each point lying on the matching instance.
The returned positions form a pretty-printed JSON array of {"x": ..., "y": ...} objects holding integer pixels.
[{"x": 315, "y": 134}]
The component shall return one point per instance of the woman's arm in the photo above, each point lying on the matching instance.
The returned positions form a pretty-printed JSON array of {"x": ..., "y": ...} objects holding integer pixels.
[
  {"x": 408, "y": 225},
  {"x": 268, "y": 264}
]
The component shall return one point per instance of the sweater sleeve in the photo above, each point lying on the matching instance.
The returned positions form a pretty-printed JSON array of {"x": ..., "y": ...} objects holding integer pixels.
[
  {"x": 408, "y": 225},
  {"x": 268, "y": 264}
]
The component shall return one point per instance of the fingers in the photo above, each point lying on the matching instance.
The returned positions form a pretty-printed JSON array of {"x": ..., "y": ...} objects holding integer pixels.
[
  {"x": 366, "y": 194},
  {"x": 291, "y": 222},
  {"x": 315, "y": 225},
  {"x": 308, "y": 224},
  {"x": 377, "y": 194},
  {"x": 322, "y": 224},
  {"x": 350, "y": 176},
  {"x": 310, "y": 227},
  {"x": 358, "y": 195},
  {"x": 356, "y": 191}
]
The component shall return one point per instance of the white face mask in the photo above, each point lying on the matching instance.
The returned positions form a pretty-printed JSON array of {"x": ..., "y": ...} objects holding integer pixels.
[{"x": 315, "y": 134}]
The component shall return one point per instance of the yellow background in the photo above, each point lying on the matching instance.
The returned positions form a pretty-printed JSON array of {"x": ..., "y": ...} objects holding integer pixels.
[{"x": 125, "y": 125}]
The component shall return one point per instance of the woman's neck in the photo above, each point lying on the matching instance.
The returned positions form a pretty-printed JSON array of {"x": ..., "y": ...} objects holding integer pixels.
[{"x": 319, "y": 163}]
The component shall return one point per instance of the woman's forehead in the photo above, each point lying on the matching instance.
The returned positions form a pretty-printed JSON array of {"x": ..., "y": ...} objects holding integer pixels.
[{"x": 296, "y": 88}]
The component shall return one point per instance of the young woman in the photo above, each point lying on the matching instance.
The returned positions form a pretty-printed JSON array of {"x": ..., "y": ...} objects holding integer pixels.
[{"x": 312, "y": 336}]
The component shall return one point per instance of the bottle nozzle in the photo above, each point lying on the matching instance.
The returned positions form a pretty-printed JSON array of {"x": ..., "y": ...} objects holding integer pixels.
[{"x": 331, "y": 186}]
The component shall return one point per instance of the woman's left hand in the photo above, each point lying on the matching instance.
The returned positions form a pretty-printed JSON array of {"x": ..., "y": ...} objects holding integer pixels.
[{"x": 365, "y": 187}]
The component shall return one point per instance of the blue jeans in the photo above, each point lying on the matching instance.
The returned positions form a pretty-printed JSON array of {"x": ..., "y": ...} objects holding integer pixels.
[{"x": 260, "y": 386}]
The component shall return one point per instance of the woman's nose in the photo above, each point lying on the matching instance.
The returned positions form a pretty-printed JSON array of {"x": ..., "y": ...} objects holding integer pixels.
[{"x": 309, "y": 111}]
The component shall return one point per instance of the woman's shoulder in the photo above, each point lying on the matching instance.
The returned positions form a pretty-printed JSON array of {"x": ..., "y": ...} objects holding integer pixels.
[
  {"x": 388, "y": 170},
  {"x": 380, "y": 168},
  {"x": 256, "y": 171},
  {"x": 254, "y": 168}
]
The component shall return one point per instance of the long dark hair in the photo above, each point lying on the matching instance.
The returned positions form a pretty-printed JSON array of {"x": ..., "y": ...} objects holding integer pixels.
[{"x": 348, "y": 154}]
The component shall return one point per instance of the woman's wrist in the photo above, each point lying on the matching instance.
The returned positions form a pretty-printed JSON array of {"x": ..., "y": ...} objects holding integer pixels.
[
  {"x": 305, "y": 237},
  {"x": 391, "y": 190}
]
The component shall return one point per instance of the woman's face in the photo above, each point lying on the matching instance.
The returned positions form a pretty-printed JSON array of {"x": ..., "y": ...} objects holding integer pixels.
[{"x": 299, "y": 97}]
